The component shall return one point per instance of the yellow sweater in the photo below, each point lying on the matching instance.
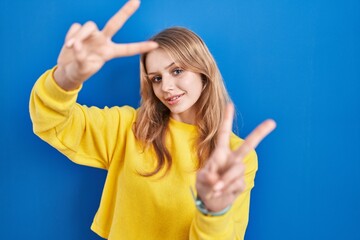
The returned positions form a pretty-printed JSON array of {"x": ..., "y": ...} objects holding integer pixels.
[{"x": 132, "y": 206}]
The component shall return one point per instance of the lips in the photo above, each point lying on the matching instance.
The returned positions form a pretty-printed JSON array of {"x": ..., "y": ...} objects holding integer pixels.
[{"x": 174, "y": 99}]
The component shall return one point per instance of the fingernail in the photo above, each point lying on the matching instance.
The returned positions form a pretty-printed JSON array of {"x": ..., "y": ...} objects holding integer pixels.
[
  {"x": 154, "y": 44},
  {"x": 70, "y": 43},
  {"x": 218, "y": 186}
]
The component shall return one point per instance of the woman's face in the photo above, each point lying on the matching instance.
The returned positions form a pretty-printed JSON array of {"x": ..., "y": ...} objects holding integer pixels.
[{"x": 175, "y": 87}]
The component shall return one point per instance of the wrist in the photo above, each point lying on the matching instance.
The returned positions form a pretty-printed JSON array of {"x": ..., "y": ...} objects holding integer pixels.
[
  {"x": 200, "y": 205},
  {"x": 59, "y": 76}
]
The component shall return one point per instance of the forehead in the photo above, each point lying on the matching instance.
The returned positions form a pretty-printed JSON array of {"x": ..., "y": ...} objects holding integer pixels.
[{"x": 157, "y": 60}]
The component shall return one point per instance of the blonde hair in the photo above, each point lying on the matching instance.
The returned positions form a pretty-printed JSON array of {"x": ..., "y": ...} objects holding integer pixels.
[{"x": 191, "y": 54}]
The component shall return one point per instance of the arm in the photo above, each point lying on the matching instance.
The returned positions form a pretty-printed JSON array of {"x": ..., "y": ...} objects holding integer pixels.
[
  {"x": 73, "y": 129},
  {"x": 88, "y": 136},
  {"x": 227, "y": 178}
]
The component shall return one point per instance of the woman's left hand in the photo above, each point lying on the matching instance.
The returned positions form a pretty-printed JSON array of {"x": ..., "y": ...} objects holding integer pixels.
[{"x": 221, "y": 180}]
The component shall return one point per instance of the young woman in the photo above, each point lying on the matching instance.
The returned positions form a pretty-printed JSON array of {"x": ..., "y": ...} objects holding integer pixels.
[{"x": 175, "y": 169}]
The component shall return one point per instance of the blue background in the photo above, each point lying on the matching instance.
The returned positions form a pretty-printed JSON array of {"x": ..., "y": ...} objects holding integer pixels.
[{"x": 295, "y": 61}]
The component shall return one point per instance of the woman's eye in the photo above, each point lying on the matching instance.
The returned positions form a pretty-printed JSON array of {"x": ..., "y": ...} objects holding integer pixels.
[
  {"x": 177, "y": 71},
  {"x": 156, "y": 79}
]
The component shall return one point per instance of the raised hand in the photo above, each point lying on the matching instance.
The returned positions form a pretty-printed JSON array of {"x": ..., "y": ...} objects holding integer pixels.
[
  {"x": 222, "y": 179},
  {"x": 86, "y": 48}
]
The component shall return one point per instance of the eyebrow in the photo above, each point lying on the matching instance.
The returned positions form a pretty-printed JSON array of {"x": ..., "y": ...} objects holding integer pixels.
[{"x": 152, "y": 73}]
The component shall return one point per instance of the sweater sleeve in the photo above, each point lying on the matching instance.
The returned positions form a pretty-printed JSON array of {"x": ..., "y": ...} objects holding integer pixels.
[
  {"x": 233, "y": 224},
  {"x": 86, "y": 135}
]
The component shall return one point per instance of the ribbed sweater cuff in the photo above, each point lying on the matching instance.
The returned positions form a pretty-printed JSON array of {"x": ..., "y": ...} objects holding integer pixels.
[
  {"x": 214, "y": 225},
  {"x": 55, "y": 91}
]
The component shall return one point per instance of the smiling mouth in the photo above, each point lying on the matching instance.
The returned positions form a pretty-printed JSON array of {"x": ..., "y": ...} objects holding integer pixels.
[{"x": 174, "y": 99}]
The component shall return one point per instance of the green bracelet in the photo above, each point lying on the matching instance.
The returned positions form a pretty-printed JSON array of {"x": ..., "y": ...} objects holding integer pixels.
[{"x": 202, "y": 208}]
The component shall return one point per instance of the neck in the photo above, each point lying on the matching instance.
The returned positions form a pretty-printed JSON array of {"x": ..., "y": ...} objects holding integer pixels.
[{"x": 188, "y": 118}]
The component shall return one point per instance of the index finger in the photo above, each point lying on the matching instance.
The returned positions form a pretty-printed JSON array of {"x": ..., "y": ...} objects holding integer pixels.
[
  {"x": 223, "y": 138},
  {"x": 255, "y": 137},
  {"x": 119, "y": 19}
]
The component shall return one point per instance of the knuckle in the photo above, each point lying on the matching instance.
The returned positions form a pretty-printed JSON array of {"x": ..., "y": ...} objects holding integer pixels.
[
  {"x": 75, "y": 25},
  {"x": 91, "y": 24},
  {"x": 242, "y": 185}
]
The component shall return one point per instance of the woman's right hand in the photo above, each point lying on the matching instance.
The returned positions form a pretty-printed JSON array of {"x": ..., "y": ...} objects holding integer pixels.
[{"x": 86, "y": 48}]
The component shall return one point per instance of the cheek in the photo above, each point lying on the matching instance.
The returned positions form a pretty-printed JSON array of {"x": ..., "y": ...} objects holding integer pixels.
[
  {"x": 191, "y": 81},
  {"x": 195, "y": 86}
]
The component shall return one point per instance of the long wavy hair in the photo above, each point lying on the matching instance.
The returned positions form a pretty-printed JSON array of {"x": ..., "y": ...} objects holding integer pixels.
[{"x": 191, "y": 54}]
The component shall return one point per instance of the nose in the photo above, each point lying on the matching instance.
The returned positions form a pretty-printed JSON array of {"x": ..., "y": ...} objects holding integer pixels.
[{"x": 167, "y": 83}]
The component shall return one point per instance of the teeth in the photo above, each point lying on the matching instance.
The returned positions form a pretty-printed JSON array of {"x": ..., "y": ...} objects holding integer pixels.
[{"x": 173, "y": 98}]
